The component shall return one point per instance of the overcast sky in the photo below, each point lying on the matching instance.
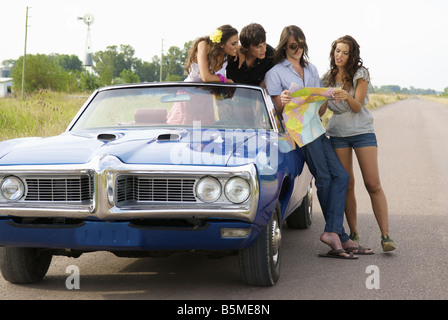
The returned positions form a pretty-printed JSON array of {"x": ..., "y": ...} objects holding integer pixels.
[{"x": 403, "y": 42}]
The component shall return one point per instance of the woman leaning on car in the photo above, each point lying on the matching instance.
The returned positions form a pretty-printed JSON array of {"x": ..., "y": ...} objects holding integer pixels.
[
  {"x": 206, "y": 62},
  {"x": 208, "y": 57}
]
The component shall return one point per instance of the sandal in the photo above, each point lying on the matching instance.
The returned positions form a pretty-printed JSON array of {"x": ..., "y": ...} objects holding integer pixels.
[
  {"x": 359, "y": 250},
  {"x": 387, "y": 243},
  {"x": 338, "y": 254}
]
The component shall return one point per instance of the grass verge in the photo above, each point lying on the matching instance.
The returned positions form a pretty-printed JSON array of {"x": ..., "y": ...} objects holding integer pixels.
[{"x": 42, "y": 114}]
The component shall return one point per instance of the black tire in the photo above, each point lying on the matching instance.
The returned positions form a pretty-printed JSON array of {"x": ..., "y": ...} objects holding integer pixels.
[
  {"x": 260, "y": 264},
  {"x": 302, "y": 217},
  {"x": 23, "y": 265}
]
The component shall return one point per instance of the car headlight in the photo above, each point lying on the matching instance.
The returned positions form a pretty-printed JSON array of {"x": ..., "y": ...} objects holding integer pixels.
[
  {"x": 208, "y": 189},
  {"x": 237, "y": 190},
  {"x": 12, "y": 188}
]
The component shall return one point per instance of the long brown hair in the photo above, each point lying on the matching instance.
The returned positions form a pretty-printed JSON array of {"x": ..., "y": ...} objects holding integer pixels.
[
  {"x": 280, "y": 52},
  {"x": 354, "y": 62},
  {"x": 213, "y": 49}
]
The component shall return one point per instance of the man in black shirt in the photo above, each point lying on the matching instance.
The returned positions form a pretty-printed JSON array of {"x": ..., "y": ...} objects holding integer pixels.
[{"x": 254, "y": 57}]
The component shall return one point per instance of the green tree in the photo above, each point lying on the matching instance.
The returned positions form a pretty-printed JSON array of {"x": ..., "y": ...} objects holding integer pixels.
[
  {"x": 106, "y": 76},
  {"x": 68, "y": 62},
  {"x": 148, "y": 71},
  {"x": 88, "y": 81},
  {"x": 10, "y": 63},
  {"x": 110, "y": 63},
  {"x": 174, "y": 62},
  {"x": 114, "y": 60},
  {"x": 129, "y": 77},
  {"x": 116, "y": 64},
  {"x": 42, "y": 72}
]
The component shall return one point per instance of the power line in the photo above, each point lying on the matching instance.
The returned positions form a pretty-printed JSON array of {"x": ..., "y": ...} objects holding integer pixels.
[{"x": 161, "y": 62}]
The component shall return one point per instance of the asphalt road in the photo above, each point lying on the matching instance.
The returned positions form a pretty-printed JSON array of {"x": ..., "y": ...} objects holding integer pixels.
[{"x": 413, "y": 153}]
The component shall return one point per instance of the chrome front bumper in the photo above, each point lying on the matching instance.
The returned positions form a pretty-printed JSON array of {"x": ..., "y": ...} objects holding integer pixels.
[{"x": 105, "y": 170}]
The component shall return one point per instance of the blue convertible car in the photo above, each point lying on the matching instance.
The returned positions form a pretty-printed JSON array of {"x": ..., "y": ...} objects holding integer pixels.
[{"x": 151, "y": 169}]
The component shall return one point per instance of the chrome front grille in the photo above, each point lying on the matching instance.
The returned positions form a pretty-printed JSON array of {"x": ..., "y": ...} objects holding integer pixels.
[
  {"x": 137, "y": 189},
  {"x": 63, "y": 189}
]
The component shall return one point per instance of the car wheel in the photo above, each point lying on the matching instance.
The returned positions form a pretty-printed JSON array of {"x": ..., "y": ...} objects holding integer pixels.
[
  {"x": 260, "y": 264},
  {"x": 23, "y": 265},
  {"x": 302, "y": 217}
]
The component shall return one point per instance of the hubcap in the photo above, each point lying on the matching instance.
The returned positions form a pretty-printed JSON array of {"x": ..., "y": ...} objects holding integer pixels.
[{"x": 276, "y": 239}]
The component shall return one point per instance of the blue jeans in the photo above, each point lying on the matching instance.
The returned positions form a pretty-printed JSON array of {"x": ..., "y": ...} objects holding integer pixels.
[{"x": 331, "y": 180}]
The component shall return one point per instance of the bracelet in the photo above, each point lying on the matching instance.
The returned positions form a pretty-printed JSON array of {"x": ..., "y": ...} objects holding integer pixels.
[{"x": 222, "y": 78}]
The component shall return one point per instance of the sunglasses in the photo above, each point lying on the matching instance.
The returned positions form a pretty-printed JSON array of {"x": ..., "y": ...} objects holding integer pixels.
[{"x": 295, "y": 45}]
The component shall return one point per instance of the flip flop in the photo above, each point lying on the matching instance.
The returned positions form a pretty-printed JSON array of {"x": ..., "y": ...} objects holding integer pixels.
[
  {"x": 360, "y": 250},
  {"x": 337, "y": 254}
]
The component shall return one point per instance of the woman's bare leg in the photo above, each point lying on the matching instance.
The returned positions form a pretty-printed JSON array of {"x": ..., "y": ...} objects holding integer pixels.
[{"x": 368, "y": 163}]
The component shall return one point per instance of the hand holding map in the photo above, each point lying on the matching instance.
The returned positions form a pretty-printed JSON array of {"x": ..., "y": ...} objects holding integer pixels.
[{"x": 301, "y": 114}]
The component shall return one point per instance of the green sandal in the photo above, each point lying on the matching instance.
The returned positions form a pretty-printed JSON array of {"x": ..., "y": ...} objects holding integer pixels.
[
  {"x": 354, "y": 237},
  {"x": 387, "y": 243}
]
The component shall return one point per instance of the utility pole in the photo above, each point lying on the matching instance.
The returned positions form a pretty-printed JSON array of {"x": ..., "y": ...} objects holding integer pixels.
[
  {"x": 161, "y": 62},
  {"x": 24, "y": 55}
]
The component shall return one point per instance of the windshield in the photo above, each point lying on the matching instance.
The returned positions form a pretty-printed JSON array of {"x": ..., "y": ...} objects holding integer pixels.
[{"x": 176, "y": 106}]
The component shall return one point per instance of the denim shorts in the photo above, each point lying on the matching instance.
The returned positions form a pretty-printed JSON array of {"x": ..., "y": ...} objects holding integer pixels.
[{"x": 358, "y": 141}]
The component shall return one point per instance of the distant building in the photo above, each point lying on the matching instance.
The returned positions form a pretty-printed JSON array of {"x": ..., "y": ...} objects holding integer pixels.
[
  {"x": 5, "y": 73},
  {"x": 5, "y": 87}
]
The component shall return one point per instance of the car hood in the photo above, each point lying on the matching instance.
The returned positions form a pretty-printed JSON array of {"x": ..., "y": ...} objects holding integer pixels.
[{"x": 189, "y": 147}]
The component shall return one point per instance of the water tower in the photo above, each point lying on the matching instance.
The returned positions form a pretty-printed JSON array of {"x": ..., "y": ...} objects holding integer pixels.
[{"x": 88, "y": 20}]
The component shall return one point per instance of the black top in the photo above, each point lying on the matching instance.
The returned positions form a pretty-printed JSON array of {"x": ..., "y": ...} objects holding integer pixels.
[{"x": 253, "y": 75}]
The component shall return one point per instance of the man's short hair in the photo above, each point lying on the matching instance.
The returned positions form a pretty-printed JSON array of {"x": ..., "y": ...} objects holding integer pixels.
[{"x": 252, "y": 34}]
